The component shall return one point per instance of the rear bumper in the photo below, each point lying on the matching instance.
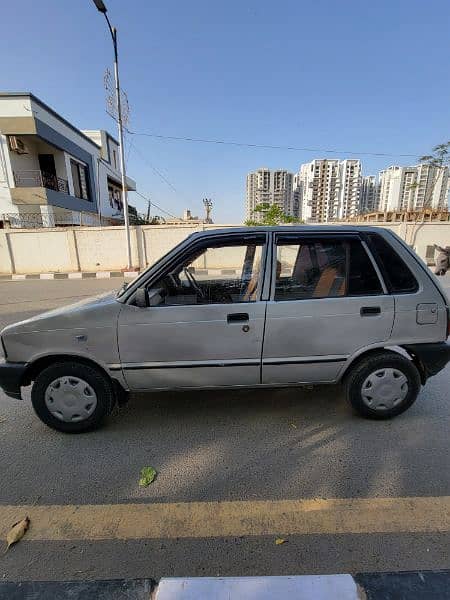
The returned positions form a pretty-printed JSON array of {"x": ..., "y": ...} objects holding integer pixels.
[
  {"x": 11, "y": 377},
  {"x": 431, "y": 358}
]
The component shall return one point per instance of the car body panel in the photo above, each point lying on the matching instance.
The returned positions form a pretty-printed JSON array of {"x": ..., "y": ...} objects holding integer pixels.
[
  {"x": 190, "y": 346},
  {"x": 407, "y": 329},
  {"x": 288, "y": 342},
  {"x": 87, "y": 329},
  {"x": 318, "y": 335}
]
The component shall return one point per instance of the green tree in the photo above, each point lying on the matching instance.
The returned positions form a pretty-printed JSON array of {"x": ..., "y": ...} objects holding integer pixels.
[{"x": 271, "y": 214}]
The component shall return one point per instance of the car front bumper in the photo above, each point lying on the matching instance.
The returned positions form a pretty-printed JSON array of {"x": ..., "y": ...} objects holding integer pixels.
[{"x": 11, "y": 377}]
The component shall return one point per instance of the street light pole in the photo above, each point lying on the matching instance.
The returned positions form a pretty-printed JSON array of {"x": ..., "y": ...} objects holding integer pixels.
[{"x": 113, "y": 31}]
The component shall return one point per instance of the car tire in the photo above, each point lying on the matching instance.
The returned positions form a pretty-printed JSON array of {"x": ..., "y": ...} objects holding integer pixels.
[
  {"x": 72, "y": 397},
  {"x": 383, "y": 385}
]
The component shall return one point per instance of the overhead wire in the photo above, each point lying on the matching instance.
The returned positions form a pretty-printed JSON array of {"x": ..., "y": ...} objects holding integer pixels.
[
  {"x": 155, "y": 170},
  {"x": 267, "y": 146},
  {"x": 157, "y": 206}
]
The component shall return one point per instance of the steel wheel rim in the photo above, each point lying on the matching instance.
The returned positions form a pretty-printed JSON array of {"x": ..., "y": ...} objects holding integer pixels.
[
  {"x": 384, "y": 389},
  {"x": 70, "y": 399}
]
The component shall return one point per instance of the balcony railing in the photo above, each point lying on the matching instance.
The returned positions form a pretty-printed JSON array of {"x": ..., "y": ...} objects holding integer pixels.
[{"x": 41, "y": 179}]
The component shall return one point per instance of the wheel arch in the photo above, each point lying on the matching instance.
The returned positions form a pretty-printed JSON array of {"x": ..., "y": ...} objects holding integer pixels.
[
  {"x": 35, "y": 367},
  {"x": 400, "y": 350}
]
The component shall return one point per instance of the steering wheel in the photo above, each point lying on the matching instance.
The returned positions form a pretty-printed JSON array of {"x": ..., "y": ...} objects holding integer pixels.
[{"x": 193, "y": 283}]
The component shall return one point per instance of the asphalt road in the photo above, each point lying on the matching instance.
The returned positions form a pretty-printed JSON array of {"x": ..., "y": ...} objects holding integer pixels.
[{"x": 224, "y": 446}]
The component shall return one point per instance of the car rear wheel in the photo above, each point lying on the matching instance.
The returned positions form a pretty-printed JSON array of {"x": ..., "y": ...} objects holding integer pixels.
[
  {"x": 383, "y": 385},
  {"x": 72, "y": 397}
]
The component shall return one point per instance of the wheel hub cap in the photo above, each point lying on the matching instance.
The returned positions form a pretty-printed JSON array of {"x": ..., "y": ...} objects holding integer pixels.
[
  {"x": 384, "y": 389},
  {"x": 70, "y": 399}
]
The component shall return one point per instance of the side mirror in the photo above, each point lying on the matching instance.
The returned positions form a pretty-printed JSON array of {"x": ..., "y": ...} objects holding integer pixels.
[{"x": 141, "y": 297}]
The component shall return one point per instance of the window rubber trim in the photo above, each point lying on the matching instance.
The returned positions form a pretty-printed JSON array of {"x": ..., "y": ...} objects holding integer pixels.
[
  {"x": 381, "y": 266},
  {"x": 204, "y": 241},
  {"x": 357, "y": 235}
]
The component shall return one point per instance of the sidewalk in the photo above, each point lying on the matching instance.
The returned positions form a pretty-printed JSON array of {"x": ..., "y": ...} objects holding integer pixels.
[
  {"x": 363, "y": 586},
  {"x": 75, "y": 275}
]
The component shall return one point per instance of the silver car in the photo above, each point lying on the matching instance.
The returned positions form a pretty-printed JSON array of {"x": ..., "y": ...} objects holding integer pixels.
[{"x": 253, "y": 307}]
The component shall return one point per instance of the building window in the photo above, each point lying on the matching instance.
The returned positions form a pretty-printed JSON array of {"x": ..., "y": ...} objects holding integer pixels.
[
  {"x": 115, "y": 159},
  {"x": 115, "y": 196},
  {"x": 80, "y": 178}
]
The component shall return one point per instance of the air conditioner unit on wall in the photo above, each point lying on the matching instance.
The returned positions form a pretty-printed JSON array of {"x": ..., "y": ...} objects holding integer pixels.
[{"x": 16, "y": 145}]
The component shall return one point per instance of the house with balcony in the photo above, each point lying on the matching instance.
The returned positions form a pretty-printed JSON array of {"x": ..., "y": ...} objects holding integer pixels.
[{"x": 51, "y": 172}]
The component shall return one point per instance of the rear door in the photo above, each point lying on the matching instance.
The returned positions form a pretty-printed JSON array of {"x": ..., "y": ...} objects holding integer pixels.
[{"x": 327, "y": 302}]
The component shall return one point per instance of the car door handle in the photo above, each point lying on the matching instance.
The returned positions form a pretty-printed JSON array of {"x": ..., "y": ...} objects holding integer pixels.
[
  {"x": 236, "y": 317},
  {"x": 370, "y": 311}
]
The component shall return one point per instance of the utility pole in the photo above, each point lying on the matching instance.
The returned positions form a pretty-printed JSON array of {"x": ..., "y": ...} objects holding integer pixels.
[
  {"x": 148, "y": 210},
  {"x": 113, "y": 31},
  {"x": 208, "y": 204}
]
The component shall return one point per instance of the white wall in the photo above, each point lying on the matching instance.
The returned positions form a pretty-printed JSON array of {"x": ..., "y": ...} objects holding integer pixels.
[
  {"x": 15, "y": 106},
  {"x": 52, "y": 121},
  {"x": 106, "y": 168},
  {"x": 6, "y": 177},
  {"x": 102, "y": 249},
  {"x": 28, "y": 161},
  {"x": 35, "y": 252},
  {"x": 98, "y": 249}
]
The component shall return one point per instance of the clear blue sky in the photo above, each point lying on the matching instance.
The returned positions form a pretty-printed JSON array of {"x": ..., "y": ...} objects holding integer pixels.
[{"x": 352, "y": 75}]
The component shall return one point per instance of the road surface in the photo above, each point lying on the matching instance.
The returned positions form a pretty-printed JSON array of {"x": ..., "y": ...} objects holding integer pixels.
[{"x": 236, "y": 471}]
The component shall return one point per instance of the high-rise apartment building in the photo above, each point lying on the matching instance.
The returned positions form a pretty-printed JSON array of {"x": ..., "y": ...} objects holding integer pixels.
[
  {"x": 413, "y": 188},
  {"x": 271, "y": 187},
  {"x": 349, "y": 188},
  {"x": 328, "y": 189},
  {"x": 318, "y": 186},
  {"x": 369, "y": 195},
  {"x": 395, "y": 187}
]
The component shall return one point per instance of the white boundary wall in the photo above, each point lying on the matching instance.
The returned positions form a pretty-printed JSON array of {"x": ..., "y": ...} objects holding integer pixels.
[{"x": 103, "y": 248}]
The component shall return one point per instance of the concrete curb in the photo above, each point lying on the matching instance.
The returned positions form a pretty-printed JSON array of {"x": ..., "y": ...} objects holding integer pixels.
[
  {"x": 106, "y": 274},
  {"x": 76, "y": 275},
  {"x": 433, "y": 585}
]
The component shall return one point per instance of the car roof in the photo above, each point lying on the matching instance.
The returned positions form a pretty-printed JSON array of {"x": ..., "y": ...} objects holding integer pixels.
[{"x": 287, "y": 229}]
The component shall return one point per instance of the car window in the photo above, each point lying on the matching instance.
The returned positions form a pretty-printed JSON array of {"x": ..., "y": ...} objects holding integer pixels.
[
  {"x": 218, "y": 274},
  {"x": 399, "y": 277},
  {"x": 324, "y": 268}
]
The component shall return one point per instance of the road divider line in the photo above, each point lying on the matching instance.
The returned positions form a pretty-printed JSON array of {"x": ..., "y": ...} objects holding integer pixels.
[{"x": 224, "y": 519}]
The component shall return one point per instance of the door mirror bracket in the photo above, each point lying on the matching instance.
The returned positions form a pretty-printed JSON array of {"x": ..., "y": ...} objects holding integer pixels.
[{"x": 144, "y": 298}]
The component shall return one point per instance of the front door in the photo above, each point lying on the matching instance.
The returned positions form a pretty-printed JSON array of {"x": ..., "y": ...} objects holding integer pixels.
[
  {"x": 327, "y": 303},
  {"x": 48, "y": 170},
  {"x": 207, "y": 329}
]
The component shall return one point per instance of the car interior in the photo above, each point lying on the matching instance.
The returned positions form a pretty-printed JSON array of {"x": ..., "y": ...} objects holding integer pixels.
[{"x": 188, "y": 283}]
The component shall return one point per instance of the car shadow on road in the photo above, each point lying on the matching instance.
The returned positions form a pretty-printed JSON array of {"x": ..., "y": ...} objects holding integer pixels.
[
  {"x": 280, "y": 443},
  {"x": 283, "y": 443}
]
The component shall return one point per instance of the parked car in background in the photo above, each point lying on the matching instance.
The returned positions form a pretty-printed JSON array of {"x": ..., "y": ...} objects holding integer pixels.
[{"x": 244, "y": 307}]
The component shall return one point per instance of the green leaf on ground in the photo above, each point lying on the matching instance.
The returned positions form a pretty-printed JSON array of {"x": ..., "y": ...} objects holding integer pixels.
[{"x": 148, "y": 475}]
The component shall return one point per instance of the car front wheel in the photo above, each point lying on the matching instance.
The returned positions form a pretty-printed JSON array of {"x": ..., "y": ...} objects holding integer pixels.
[
  {"x": 72, "y": 397},
  {"x": 383, "y": 385}
]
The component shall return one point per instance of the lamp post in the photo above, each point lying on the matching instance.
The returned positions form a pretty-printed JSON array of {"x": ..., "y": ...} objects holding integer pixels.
[{"x": 113, "y": 31}]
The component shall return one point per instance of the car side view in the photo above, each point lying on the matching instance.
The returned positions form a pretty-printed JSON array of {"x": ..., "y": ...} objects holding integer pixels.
[{"x": 242, "y": 307}]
